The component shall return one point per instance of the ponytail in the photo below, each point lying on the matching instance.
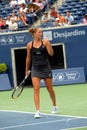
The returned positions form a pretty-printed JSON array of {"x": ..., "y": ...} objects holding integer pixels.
[{"x": 32, "y": 31}]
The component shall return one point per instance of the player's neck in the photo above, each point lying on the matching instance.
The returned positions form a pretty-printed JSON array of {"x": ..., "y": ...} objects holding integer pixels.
[{"x": 37, "y": 40}]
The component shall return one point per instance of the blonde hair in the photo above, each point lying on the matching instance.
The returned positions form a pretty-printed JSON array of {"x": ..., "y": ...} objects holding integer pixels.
[{"x": 32, "y": 31}]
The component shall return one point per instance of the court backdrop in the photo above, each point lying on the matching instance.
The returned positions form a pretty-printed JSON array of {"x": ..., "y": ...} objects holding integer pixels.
[
  {"x": 69, "y": 43},
  {"x": 57, "y": 61}
]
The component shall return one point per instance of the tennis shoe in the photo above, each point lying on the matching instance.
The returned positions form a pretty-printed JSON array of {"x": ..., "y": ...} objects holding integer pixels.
[
  {"x": 37, "y": 115},
  {"x": 54, "y": 110}
]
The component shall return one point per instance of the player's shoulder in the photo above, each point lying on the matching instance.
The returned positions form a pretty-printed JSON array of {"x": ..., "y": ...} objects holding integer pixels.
[{"x": 29, "y": 44}]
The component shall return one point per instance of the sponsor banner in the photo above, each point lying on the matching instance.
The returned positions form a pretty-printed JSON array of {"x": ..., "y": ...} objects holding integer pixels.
[
  {"x": 14, "y": 39},
  {"x": 67, "y": 76},
  {"x": 65, "y": 34},
  {"x": 4, "y": 82}
]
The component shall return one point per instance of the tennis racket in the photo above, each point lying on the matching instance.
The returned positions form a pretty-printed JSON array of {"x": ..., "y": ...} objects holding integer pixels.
[{"x": 18, "y": 90}]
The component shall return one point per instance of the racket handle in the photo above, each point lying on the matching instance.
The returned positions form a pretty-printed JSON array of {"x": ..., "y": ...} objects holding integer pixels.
[{"x": 28, "y": 74}]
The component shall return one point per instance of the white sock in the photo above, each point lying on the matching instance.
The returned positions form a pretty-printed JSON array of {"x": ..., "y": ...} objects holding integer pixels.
[
  {"x": 54, "y": 106},
  {"x": 37, "y": 111}
]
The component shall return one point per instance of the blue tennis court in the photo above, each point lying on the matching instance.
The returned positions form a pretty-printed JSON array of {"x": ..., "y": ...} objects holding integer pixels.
[{"x": 15, "y": 120}]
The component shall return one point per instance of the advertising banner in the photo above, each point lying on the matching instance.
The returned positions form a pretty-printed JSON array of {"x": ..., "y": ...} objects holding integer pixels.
[
  {"x": 4, "y": 82},
  {"x": 67, "y": 76}
]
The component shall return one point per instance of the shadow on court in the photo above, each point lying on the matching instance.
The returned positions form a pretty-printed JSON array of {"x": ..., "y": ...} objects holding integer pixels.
[{"x": 11, "y": 120}]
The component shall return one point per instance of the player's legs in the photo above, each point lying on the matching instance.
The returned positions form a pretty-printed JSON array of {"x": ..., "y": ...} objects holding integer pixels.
[
  {"x": 36, "y": 85},
  {"x": 48, "y": 82}
]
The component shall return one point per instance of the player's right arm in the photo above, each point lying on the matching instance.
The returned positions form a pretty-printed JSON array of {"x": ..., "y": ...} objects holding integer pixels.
[{"x": 28, "y": 58}]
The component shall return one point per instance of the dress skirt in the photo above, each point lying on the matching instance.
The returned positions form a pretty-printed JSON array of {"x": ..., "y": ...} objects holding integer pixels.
[{"x": 41, "y": 72}]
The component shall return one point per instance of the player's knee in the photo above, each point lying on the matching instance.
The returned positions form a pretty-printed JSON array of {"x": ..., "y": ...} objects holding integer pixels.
[
  {"x": 36, "y": 89},
  {"x": 50, "y": 90}
]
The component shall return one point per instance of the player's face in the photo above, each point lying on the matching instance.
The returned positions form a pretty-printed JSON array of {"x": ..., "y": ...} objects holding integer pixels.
[{"x": 38, "y": 33}]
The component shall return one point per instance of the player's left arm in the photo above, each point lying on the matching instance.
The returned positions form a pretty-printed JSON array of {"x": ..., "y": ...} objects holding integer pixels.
[{"x": 48, "y": 47}]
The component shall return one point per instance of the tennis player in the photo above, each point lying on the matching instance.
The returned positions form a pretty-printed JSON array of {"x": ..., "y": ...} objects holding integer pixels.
[{"x": 38, "y": 51}]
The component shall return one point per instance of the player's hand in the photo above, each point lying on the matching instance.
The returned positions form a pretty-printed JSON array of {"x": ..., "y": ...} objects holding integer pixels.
[{"x": 28, "y": 73}]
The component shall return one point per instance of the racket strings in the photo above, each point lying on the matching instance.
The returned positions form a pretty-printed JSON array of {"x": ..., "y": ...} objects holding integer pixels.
[{"x": 17, "y": 92}]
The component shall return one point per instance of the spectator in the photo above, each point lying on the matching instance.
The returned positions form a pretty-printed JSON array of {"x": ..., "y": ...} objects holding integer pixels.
[
  {"x": 36, "y": 6},
  {"x": 23, "y": 8},
  {"x": 59, "y": 20},
  {"x": 69, "y": 17},
  {"x": 46, "y": 17},
  {"x": 53, "y": 13},
  {"x": 19, "y": 18},
  {"x": 13, "y": 26},
  {"x": 24, "y": 18},
  {"x": 1, "y": 23},
  {"x": 13, "y": 3},
  {"x": 66, "y": 23},
  {"x": 61, "y": 17},
  {"x": 46, "y": 4},
  {"x": 4, "y": 24},
  {"x": 39, "y": 3},
  {"x": 8, "y": 21},
  {"x": 21, "y": 1},
  {"x": 85, "y": 19},
  {"x": 14, "y": 16}
]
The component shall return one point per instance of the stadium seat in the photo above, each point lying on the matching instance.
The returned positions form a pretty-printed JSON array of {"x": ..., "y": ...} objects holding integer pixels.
[
  {"x": 76, "y": 17},
  {"x": 85, "y": 2},
  {"x": 73, "y": 3},
  {"x": 63, "y": 14},
  {"x": 47, "y": 25},
  {"x": 9, "y": 10},
  {"x": 64, "y": 5},
  {"x": 72, "y": 13},
  {"x": 51, "y": 2},
  {"x": 85, "y": 5},
  {"x": 4, "y": 13},
  {"x": 9, "y": 14},
  {"x": 75, "y": 22},
  {"x": 61, "y": 8},
  {"x": 74, "y": 0},
  {"x": 81, "y": 3},
  {"x": 74, "y": 10},
  {"x": 83, "y": 9},
  {"x": 79, "y": 13},
  {"x": 69, "y": 7},
  {"x": 31, "y": 18},
  {"x": 80, "y": 21},
  {"x": 68, "y": 1},
  {"x": 77, "y": 6},
  {"x": 20, "y": 25}
]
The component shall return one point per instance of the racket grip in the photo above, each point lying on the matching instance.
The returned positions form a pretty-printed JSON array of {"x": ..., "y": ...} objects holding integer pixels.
[{"x": 28, "y": 74}]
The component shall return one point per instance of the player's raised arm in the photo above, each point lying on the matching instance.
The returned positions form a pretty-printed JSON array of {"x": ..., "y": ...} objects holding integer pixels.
[{"x": 48, "y": 47}]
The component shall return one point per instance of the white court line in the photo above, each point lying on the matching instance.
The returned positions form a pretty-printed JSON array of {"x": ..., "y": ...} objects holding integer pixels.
[
  {"x": 47, "y": 122},
  {"x": 32, "y": 124},
  {"x": 43, "y": 114}
]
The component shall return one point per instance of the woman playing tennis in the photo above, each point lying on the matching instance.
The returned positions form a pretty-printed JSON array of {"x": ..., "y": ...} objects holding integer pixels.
[{"x": 38, "y": 51}]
